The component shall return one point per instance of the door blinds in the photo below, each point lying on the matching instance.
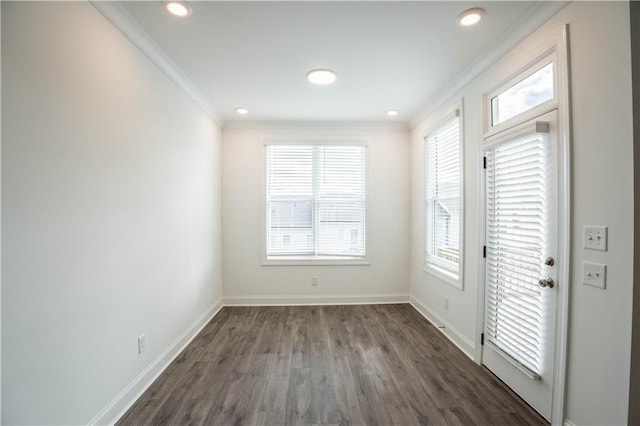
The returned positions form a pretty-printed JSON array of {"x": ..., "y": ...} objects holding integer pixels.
[{"x": 517, "y": 208}]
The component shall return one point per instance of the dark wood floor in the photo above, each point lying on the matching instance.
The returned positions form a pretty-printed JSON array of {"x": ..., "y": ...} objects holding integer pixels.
[{"x": 371, "y": 364}]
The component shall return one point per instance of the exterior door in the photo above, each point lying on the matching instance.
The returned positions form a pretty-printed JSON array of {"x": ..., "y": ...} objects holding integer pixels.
[{"x": 521, "y": 237}]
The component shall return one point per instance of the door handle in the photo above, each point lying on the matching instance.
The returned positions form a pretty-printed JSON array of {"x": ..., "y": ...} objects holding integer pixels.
[{"x": 546, "y": 282}]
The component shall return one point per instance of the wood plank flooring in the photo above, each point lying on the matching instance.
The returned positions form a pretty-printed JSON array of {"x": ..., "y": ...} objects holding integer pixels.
[{"x": 330, "y": 365}]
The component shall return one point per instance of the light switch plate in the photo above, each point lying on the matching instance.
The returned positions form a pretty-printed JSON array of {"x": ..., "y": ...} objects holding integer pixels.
[
  {"x": 594, "y": 274},
  {"x": 595, "y": 237}
]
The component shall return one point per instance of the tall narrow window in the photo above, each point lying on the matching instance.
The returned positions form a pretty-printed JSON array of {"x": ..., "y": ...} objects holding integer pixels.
[
  {"x": 315, "y": 195},
  {"x": 443, "y": 206}
]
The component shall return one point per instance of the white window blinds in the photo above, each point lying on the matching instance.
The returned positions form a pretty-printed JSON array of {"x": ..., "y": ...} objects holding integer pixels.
[
  {"x": 518, "y": 218},
  {"x": 316, "y": 199},
  {"x": 443, "y": 208}
]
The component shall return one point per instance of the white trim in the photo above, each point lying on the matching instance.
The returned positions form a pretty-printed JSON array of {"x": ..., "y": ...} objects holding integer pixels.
[
  {"x": 563, "y": 79},
  {"x": 115, "y": 13},
  {"x": 455, "y": 336},
  {"x": 463, "y": 216},
  {"x": 557, "y": 42},
  {"x": 312, "y": 126},
  {"x": 314, "y": 261},
  {"x": 129, "y": 395},
  {"x": 1, "y": 230},
  {"x": 480, "y": 292},
  {"x": 568, "y": 422},
  {"x": 523, "y": 129},
  {"x": 522, "y": 28},
  {"x": 432, "y": 266},
  {"x": 524, "y": 60},
  {"x": 306, "y": 141},
  {"x": 443, "y": 274},
  {"x": 443, "y": 115},
  {"x": 535, "y": 65},
  {"x": 308, "y": 138},
  {"x": 350, "y": 299}
]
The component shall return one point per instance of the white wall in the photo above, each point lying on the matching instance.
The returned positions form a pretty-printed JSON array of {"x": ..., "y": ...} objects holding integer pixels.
[
  {"x": 634, "y": 388},
  {"x": 602, "y": 161},
  {"x": 600, "y": 321},
  {"x": 247, "y": 281},
  {"x": 0, "y": 223},
  {"x": 427, "y": 291},
  {"x": 111, "y": 212}
]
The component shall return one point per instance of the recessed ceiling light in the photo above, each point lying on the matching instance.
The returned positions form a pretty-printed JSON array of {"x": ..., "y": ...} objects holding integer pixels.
[
  {"x": 470, "y": 17},
  {"x": 392, "y": 113},
  {"x": 178, "y": 8},
  {"x": 242, "y": 111},
  {"x": 321, "y": 76}
]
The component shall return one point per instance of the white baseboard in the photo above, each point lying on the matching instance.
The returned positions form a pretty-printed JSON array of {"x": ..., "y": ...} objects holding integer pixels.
[
  {"x": 316, "y": 300},
  {"x": 457, "y": 338},
  {"x": 568, "y": 423},
  {"x": 125, "y": 399}
]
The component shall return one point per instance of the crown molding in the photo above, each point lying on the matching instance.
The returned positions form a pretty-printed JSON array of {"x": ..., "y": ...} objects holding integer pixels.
[
  {"x": 317, "y": 125},
  {"x": 539, "y": 13},
  {"x": 115, "y": 13},
  {"x": 536, "y": 15}
]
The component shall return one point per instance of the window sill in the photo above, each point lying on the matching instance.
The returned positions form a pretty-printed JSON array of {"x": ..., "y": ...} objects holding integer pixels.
[
  {"x": 314, "y": 261},
  {"x": 444, "y": 275}
]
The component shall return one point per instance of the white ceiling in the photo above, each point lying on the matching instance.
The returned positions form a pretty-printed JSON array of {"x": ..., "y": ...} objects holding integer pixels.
[{"x": 388, "y": 55}]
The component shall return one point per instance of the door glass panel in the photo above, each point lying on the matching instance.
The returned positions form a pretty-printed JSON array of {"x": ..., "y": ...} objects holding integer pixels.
[{"x": 518, "y": 218}]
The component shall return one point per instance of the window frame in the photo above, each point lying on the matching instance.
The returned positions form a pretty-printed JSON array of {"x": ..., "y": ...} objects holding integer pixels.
[
  {"x": 453, "y": 278},
  {"x": 556, "y": 43},
  {"x": 547, "y": 58},
  {"x": 313, "y": 260}
]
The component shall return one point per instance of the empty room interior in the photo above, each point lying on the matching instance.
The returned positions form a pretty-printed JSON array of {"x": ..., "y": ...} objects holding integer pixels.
[{"x": 320, "y": 212}]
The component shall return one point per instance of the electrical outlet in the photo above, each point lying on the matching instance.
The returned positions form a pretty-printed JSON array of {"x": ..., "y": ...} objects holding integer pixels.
[
  {"x": 445, "y": 302},
  {"x": 314, "y": 281},
  {"x": 594, "y": 274},
  {"x": 595, "y": 238},
  {"x": 142, "y": 343}
]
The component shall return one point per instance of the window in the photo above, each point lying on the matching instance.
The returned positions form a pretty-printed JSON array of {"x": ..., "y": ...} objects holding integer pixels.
[
  {"x": 524, "y": 93},
  {"x": 315, "y": 195},
  {"x": 444, "y": 205},
  {"x": 531, "y": 91}
]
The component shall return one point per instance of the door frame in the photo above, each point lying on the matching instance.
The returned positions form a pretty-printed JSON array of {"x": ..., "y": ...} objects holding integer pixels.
[{"x": 557, "y": 44}]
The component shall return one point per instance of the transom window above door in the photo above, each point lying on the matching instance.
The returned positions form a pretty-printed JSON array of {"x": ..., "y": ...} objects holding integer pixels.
[{"x": 525, "y": 96}]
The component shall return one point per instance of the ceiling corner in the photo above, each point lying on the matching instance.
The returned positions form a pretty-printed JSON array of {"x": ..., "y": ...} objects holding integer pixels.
[{"x": 115, "y": 13}]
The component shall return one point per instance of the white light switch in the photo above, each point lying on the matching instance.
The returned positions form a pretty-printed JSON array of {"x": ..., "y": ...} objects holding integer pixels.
[
  {"x": 594, "y": 274},
  {"x": 595, "y": 237}
]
